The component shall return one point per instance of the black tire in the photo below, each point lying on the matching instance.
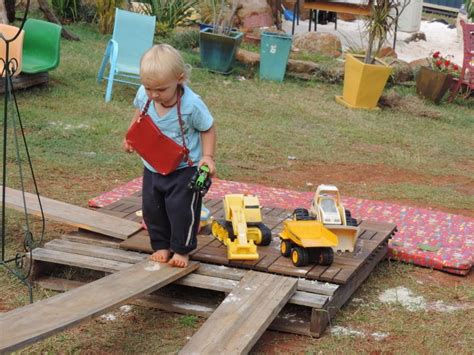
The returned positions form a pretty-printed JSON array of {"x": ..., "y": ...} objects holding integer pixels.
[
  {"x": 301, "y": 214},
  {"x": 286, "y": 251},
  {"x": 326, "y": 256},
  {"x": 302, "y": 258},
  {"x": 230, "y": 230},
  {"x": 266, "y": 234}
]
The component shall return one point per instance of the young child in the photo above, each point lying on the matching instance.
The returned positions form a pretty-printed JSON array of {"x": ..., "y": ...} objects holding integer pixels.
[{"x": 171, "y": 212}]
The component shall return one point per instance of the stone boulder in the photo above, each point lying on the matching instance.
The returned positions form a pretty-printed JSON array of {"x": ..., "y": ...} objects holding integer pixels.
[
  {"x": 402, "y": 72},
  {"x": 253, "y": 14},
  {"x": 417, "y": 63},
  {"x": 387, "y": 52},
  {"x": 319, "y": 42}
]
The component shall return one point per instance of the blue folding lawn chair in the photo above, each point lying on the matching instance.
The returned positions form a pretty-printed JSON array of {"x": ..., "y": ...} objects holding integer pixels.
[{"x": 132, "y": 37}]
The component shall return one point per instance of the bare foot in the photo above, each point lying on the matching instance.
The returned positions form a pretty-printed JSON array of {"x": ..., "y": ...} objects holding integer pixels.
[
  {"x": 161, "y": 256},
  {"x": 179, "y": 260}
]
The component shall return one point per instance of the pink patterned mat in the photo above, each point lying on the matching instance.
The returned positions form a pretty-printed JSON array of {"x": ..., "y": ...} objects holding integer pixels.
[{"x": 425, "y": 237}]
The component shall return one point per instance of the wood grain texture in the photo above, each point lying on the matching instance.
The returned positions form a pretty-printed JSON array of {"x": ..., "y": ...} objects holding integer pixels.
[
  {"x": 243, "y": 316},
  {"x": 39, "y": 320},
  {"x": 73, "y": 215}
]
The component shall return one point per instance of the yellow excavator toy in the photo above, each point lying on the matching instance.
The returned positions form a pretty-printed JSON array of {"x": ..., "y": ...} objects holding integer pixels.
[{"x": 242, "y": 229}]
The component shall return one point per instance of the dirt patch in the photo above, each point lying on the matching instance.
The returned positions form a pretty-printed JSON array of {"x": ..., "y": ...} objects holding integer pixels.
[
  {"x": 354, "y": 179},
  {"x": 443, "y": 279}
]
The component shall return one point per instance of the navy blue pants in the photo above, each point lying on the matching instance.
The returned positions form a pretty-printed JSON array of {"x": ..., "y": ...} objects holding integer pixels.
[{"x": 171, "y": 212}]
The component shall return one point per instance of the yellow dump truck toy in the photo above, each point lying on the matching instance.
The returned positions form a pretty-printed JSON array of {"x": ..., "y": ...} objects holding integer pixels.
[
  {"x": 242, "y": 229},
  {"x": 328, "y": 209},
  {"x": 306, "y": 240}
]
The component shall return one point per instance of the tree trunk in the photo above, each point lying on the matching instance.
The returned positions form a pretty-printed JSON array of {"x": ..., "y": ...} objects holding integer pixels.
[
  {"x": 49, "y": 14},
  {"x": 3, "y": 13},
  {"x": 10, "y": 7}
]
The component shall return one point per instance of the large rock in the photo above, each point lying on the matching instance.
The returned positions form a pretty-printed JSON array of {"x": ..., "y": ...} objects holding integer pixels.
[
  {"x": 319, "y": 42},
  {"x": 253, "y": 14},
  {"x": 387, "y": 52},
  {"x": 402, "y": 72},
  {"x": 417, "y": 63}
]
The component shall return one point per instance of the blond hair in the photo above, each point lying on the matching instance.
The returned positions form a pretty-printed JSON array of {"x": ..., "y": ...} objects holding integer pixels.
[{"x": 161, "y": 62}]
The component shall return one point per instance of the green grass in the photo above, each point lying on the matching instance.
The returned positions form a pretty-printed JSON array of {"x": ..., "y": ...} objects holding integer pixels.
[{"x": 75, "y": 140}]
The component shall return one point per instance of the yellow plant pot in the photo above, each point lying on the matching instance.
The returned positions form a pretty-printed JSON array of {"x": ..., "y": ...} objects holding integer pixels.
[{"x": 363, "y": 83}]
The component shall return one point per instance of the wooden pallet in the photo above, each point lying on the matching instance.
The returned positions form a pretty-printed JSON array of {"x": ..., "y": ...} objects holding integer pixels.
[
  {"x": 307, "y": 313},
  {"x": 320, "y": 291},
  {"x": 345, "y": 266}
]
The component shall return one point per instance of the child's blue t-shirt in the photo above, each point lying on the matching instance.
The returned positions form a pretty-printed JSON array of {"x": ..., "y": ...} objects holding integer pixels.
[{"x": 196, "y": 118}]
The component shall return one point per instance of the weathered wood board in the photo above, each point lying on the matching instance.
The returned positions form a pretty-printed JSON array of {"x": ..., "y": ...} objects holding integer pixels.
[
  {"x": 24, "y": 81},
  {"x": 246, "y": 312},
  {"x": 39, "y": 320},
  {"x": 76, "y": 216}
]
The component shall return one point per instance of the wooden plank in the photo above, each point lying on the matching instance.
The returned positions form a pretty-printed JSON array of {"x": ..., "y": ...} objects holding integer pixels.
[
  {"x": 39, "y": 320},
  {"x": 284, "y": 266},
  {"x": 208, "y": 283},
  {"x": 73, "y": 215},
  {"x": 24, "y": 81},
  {"x": 138, "y": 242},
  {"x": 82, "y": 261},
  {"x": 289, "y": 320},
  {"x": 325, "y": 5},
  {"x": 95, "y": 251},
  {"x": 221, "y": 271},
  {"x": 86, "y": 237},
  {"x": 241, "y": 319}
]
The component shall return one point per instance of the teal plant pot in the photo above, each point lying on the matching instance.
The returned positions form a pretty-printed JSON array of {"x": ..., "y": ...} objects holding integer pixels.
[{"x": 218, "y": 51}]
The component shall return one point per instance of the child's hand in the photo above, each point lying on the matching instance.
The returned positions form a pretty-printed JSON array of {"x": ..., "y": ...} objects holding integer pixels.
[
  {"x": 209, "y": 161},
  {"x": 126, "y": 147}
]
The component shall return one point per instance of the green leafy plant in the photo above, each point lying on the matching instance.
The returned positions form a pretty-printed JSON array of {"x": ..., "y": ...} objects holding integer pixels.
[
  {"x": 379, "y": 23},
  {"x": 223, "y": 16},
  {"x": 67, "y": 10},
  {"x": 469, "y": 6},
  {"x": 182, "y": 40},
  {"x": 106, "y": 14},
  {"x": 169, "y": 13}
]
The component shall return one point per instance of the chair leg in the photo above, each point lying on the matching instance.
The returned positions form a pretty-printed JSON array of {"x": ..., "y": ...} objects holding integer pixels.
[
  {"x": 110, "y": 83},
  {"x": 106, "y": 58},
  {"x": 310, "y": 19}
]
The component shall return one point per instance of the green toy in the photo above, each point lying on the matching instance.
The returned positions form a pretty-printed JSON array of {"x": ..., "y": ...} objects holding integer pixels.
[{"x": 201, "y": 180}]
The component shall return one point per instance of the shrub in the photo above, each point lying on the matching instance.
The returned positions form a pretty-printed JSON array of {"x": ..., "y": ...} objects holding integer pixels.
[{"x": 169, "y": 13}]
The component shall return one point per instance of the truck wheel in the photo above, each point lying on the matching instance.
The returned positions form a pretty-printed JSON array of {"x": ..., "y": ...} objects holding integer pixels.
[
  {"x": 299, "y": 256},
  {"x": 301, "y": 214},
  {"x": 285, "y": 248},
  {"x": 266, "y": 234},
  {"x": 326, "y": 256}
]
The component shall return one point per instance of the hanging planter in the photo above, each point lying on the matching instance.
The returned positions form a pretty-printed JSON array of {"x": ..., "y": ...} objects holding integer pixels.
[{"x": 432, "y": 84}]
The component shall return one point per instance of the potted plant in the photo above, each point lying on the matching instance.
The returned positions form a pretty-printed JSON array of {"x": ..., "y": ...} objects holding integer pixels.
[
  {"x": 365, "y": 76},
  {"x": 432, "y": 82},
  {"x": 219, "y": 42}
]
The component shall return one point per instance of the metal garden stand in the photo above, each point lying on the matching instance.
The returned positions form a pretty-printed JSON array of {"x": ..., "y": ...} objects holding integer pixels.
[{"x": 16, "y": 263}]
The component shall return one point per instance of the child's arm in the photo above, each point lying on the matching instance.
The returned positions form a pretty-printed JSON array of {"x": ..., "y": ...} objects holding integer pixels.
[
  {"x": 127, "y": 147},
  {"x": 208, "y": 146}
]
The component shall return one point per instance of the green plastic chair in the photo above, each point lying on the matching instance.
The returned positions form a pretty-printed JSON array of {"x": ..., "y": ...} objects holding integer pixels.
[
  {"x": 132, "y": 37},
  {"x": 40, "y": 46}
]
